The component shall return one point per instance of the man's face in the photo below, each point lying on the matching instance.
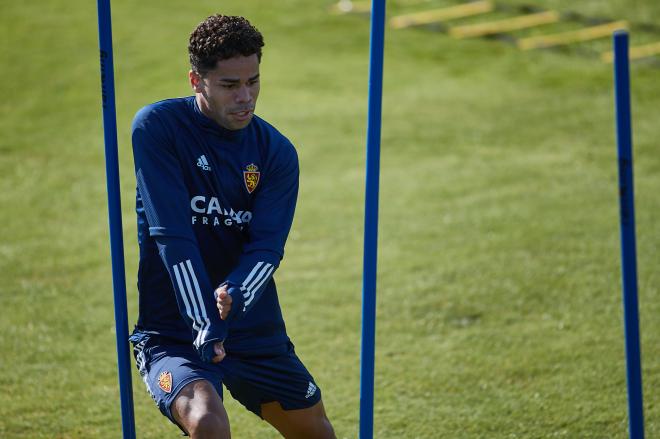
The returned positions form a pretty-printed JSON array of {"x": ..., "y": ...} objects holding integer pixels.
[{"x": 228, "y": 94}]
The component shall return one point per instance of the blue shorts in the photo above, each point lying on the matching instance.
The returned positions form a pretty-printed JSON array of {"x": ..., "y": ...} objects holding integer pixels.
[{"x": 252, "y": 379}]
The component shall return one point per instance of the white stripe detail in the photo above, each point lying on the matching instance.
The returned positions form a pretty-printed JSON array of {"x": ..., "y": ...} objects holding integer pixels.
[
  {"x": 256, "y": 288},
  {"x": 207, "y": 322},
  {"x": 249, "y": 276},
  {"x": 197, "y": 314},
  {"x": 189, "y": 291},
  {"x": 250, "y": 287},
  {"x": 183, "y": 294},
  {"x": 260, "y": 273},
  {"x": 265, "y": 278},
  {"x": 198, "y": 305},
  {"x": 248, "y": 279},
  {"x": 252, "y": 280}
]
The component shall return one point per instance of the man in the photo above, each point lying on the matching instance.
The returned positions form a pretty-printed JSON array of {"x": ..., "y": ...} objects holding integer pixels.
[{"x": 216, "y": 192}]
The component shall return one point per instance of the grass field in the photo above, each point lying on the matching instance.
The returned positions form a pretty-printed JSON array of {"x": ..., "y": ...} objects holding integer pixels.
[{"x": 499, "y": 307}]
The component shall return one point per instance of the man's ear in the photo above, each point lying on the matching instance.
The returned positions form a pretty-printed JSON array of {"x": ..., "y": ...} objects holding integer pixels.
[{"x": 196, "y": 81}]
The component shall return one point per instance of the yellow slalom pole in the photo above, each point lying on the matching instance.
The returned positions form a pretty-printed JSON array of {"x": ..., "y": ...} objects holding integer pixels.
[
  {"x": 443, "y": 14},
  {"x": 506, "y": 25},
  {"x": 576, "y": 36},
  {"x": 637, "y": 52}
]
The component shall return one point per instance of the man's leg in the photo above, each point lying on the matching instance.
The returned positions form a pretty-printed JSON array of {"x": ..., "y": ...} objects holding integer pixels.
[
  {"x": 308, "y": 423},
  {"x": 199, "y": 410}
]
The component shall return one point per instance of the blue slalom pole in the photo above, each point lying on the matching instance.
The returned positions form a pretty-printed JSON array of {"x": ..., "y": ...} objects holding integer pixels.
[
  {"x": 114, "y": 212},
  {"x": 368, "y": 349},
  {"x": 628, "y": 246}
]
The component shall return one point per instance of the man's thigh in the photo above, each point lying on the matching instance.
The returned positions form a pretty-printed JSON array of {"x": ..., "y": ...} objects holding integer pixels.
[
  {"x": 198, "y": 409},
  {"x": 278, "y": 377},
  {"x": 166, "y": 369},
  {"x": 305, "y": 423}
]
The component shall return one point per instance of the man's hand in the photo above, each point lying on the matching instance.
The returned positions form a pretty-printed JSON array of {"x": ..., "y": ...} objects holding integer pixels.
[
  {"x": 219, "y": 351},
  {"x": 223, "y": 301},
  {"x": 213, "y": 352}
]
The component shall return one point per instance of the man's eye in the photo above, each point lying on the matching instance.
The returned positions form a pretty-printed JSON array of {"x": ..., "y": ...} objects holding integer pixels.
[{"x": 227, "y": 85}]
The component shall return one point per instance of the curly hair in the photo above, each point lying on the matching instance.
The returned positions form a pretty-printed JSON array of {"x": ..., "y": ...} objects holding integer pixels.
[{"x": 222, "y": 37}]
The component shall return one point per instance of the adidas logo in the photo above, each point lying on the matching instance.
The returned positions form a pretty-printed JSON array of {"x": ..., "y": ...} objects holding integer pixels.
[
  {"x": 203, "y": 163},
  {"x": 311, "y": 390}
]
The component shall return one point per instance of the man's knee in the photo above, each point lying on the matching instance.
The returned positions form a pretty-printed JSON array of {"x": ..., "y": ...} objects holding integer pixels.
[
  {"x": 207, "y": 425},
  {"x": 320, "y": 424},
  {"x": 306, "y": 423},
  {"x": 323, "y": 429},
  {"x": 317, "y": 429}
]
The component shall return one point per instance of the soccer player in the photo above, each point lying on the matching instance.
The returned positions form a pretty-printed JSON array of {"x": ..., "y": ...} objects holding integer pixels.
[{"x": 216, "y": 193}]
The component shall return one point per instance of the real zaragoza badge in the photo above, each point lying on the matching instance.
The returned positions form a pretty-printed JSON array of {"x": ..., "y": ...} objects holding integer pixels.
[
  {"x": 251, "y": 177},
  {"x": 165, "y": 381}
]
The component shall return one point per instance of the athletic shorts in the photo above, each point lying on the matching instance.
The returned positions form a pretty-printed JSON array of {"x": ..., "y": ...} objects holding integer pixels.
[{"x": 252, "y": 379}]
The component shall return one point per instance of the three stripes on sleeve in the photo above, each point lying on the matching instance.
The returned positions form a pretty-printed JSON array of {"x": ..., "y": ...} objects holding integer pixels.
[
  {"x": 191, "y": 294},
  {"x": 192, "y": 299},
  {"x": 261, "y": 272}
]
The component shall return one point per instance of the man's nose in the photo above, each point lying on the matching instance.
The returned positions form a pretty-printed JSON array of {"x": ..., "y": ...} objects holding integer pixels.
[{"x": 244, "y": 94}]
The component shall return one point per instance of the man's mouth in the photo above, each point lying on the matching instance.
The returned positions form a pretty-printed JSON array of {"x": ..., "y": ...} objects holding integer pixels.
[{"x": 242, "y": 115}]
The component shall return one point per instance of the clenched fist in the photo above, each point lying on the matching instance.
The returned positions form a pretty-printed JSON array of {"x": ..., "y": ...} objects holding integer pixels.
[{"x": 223, "y": 301}]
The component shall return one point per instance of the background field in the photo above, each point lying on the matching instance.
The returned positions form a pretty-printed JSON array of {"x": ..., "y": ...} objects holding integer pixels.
[{"x": 499, "y": 310}]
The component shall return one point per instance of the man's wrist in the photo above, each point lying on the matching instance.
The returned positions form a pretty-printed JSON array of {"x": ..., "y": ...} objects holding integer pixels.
[
  {"x": 207, "y": 351},
  {"x": 237, "y": 301}
]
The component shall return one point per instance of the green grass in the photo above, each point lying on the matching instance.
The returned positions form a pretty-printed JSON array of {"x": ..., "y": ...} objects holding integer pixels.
[{"x": 499, "y": 310}]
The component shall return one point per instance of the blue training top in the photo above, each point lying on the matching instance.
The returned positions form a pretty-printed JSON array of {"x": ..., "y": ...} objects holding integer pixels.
[{"x": 214, "y": 206}]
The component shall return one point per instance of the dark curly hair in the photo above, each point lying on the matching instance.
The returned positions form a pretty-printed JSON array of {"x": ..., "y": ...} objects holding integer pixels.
[{"x": 222, "y": 37}]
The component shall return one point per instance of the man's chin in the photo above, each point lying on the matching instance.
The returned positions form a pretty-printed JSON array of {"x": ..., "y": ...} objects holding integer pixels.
[
  {"x": 233, "y": 123},
  {"x": 240, "y": 124},
  {"x": 243, "y": 124}
]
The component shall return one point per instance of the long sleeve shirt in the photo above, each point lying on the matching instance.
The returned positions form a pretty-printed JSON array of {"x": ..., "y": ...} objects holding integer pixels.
[{"x": 214, "y": 206}]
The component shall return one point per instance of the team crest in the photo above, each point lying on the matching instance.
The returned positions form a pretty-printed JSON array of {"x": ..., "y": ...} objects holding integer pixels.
[
  {"x": 165, "y": 381},
  {"x": 251, "y": 177}
]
